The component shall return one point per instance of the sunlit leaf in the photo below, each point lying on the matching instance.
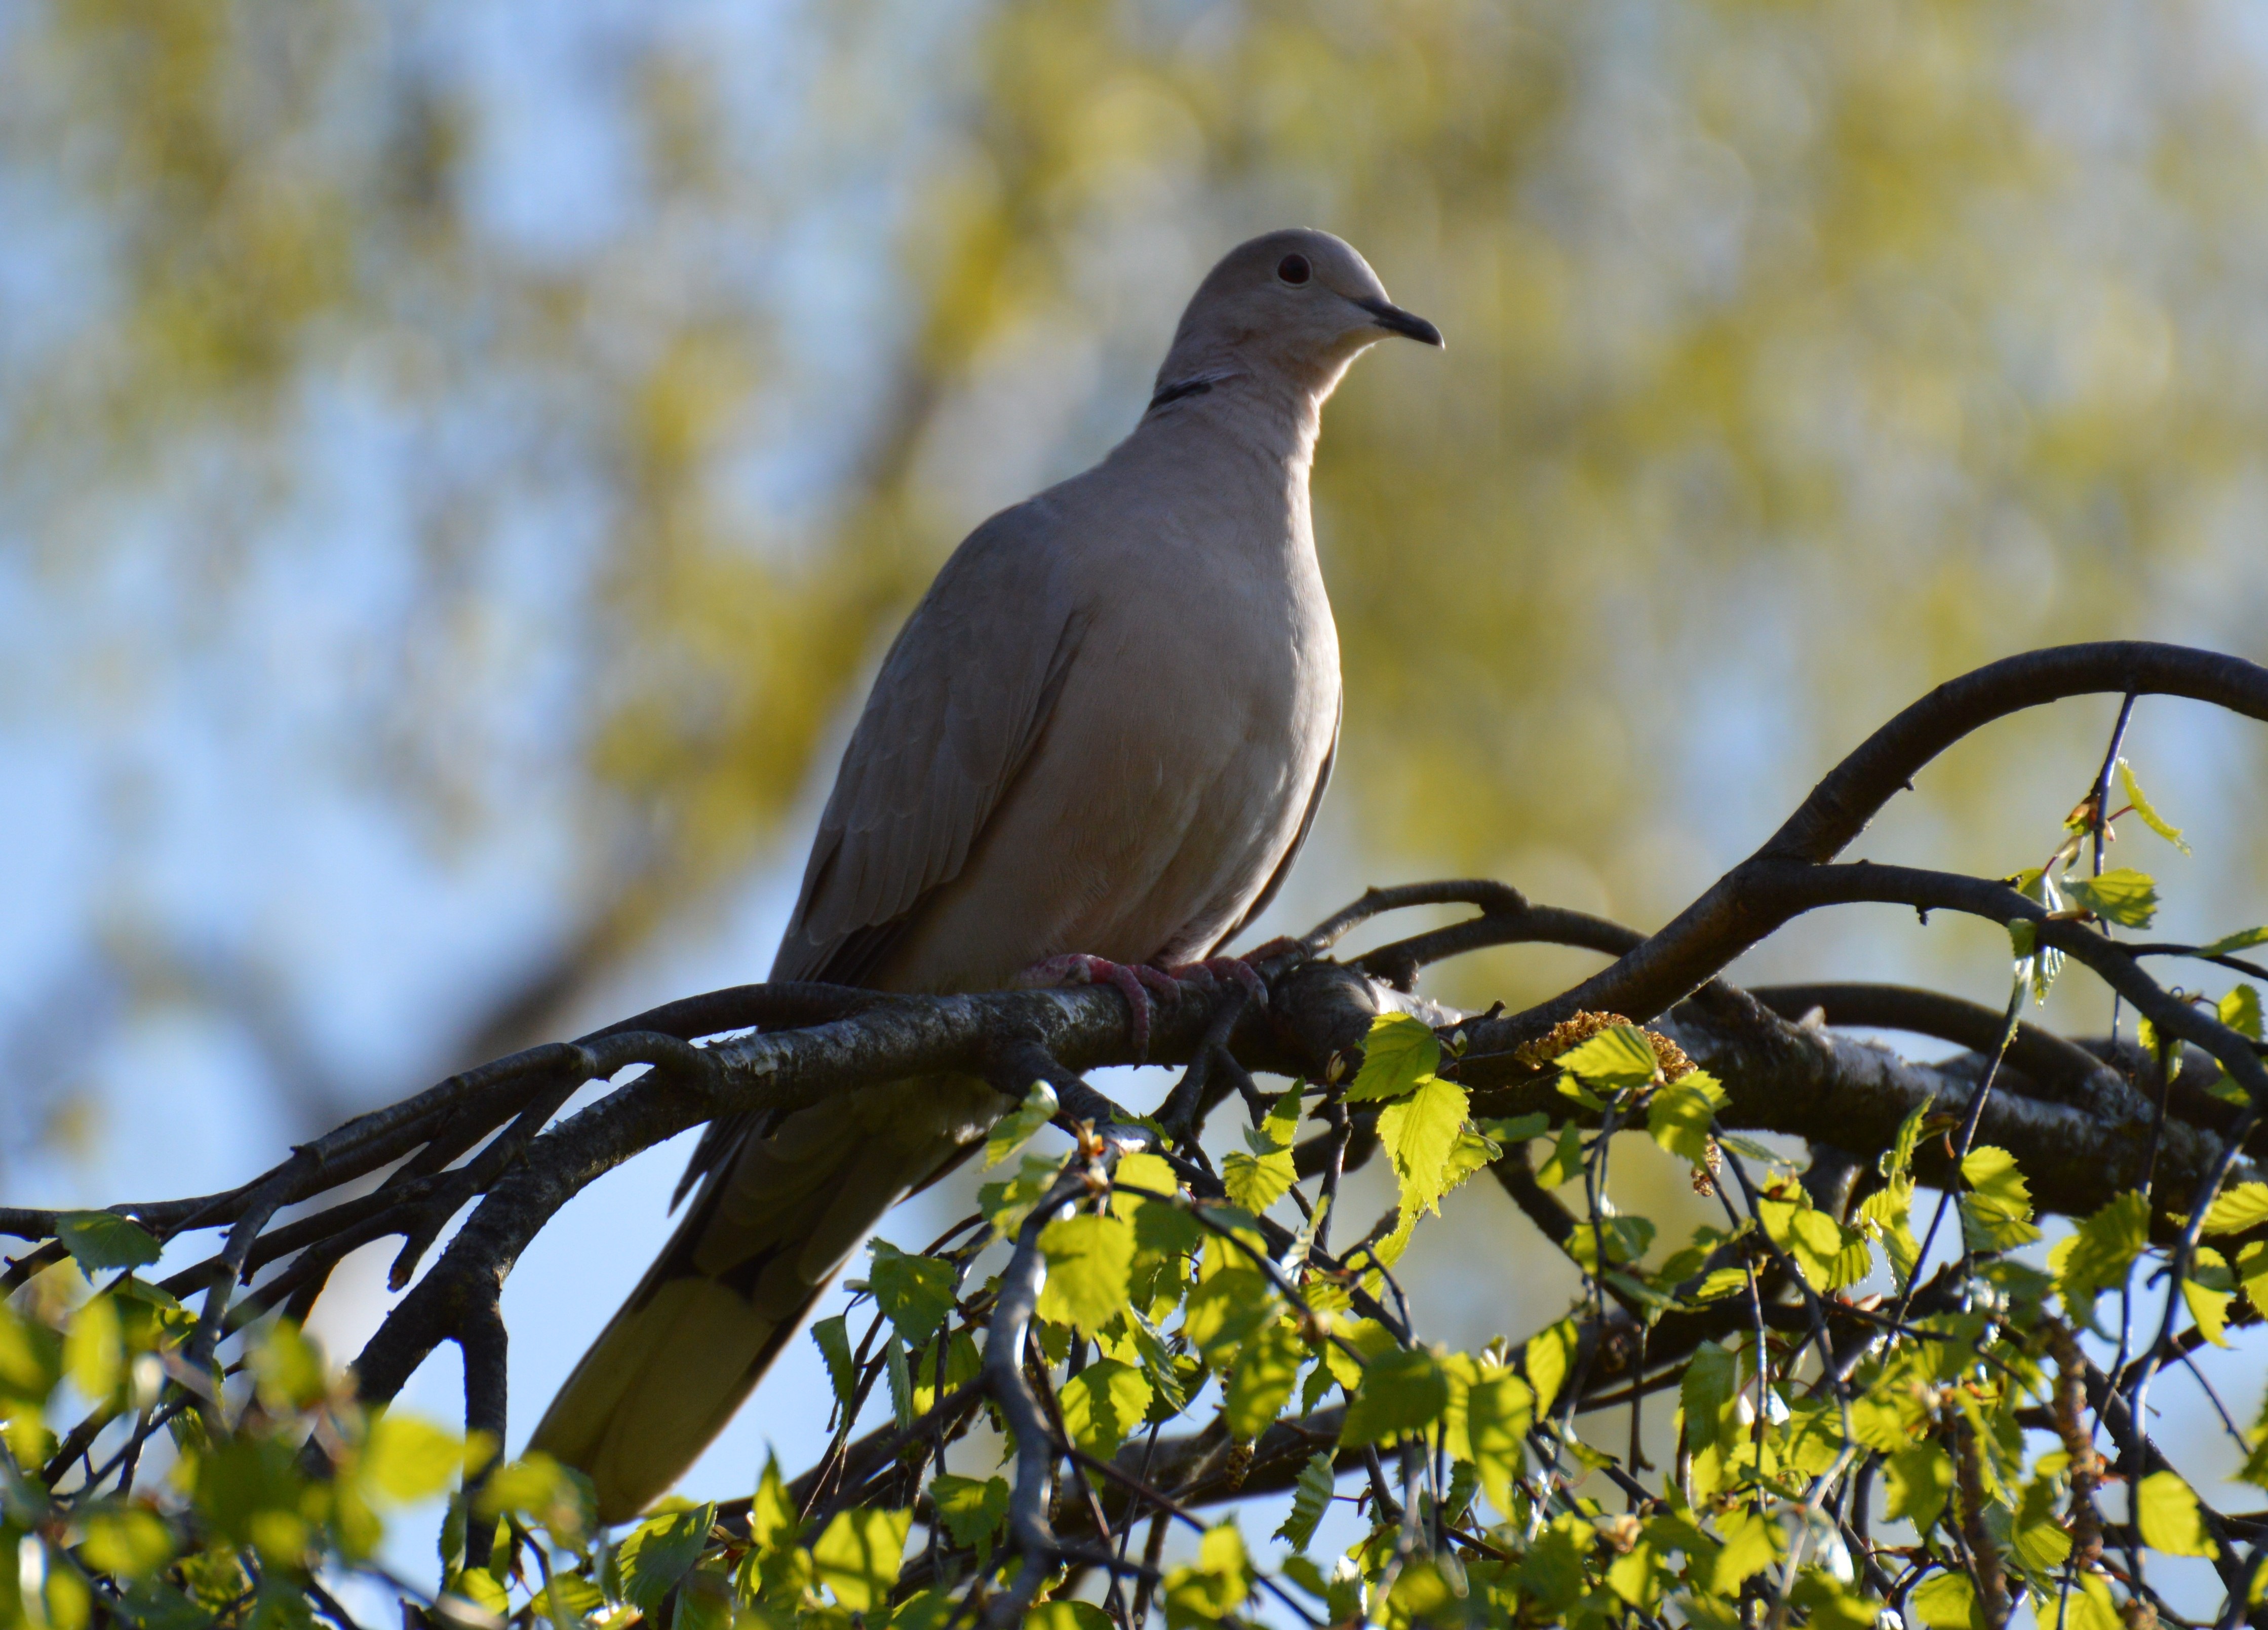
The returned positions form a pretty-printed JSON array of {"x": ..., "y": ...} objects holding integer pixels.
[
  {"x": 1089, "y": 1257},
  {"x": 1016, "y": 1128},
  {"x": 915, "y": 1292},
  {"x": 2124, "y": 896},
  {"x": 2166, "y": 1510},
  {"x": 1679, "y": 1115},
  {"x": 1103, "y": 1404},
  {"x": 1402, "y": 1392},
  {"x": 2094, "y": 1257},
  {"x": 1618, "y": 1056},
  {"x": 656, "y": 1554},
  {"x": 2151, "y": 818},
  {"x": 1399, "y": 1052},
  {"x": 1260, "y": 1384},
  {"x": 857, "y": 1556},
  {"x": 1419, "y": 1134},
  {"x": 832, "y": 1336},
  {"x": 2229, "y": 945},
  {"x": 1311, "y": 1494},
  {"x": 973, "y": 1512}
]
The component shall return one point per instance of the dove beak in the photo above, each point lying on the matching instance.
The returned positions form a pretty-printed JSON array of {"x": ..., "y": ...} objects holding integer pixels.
[{"x": 1394, "y": 320}]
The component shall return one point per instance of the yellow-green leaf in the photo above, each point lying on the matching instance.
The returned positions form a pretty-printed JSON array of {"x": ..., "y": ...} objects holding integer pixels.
[
  {"x": 2166, "y": 1509},
  {"x": 858, "y": 1554},
  {"x": 1419, "y": 1134},
  {"x": 1103, "y": 1404},
  {"x": 1997, "y": 1209},
  {"x": 1680, "y": 1115},
  {"x": 1256, "y": 1182},
  {"x": 1399, "y": 1052},
  {"x": 2151, "y": 818},
  {"x": 94, "y": 1350},
  {"x": 1089, "y": 1259},
  {"x": 409, "y": 1459},
  {"x": 128, "y": 1541},
  {"x": 1015, "y": 1129},
  {"x": 1260, "y": 1384},
  {"x": 2124, "y": 896},
  {"x": 1402, "y": 1392},
  {"x": 2241, "y": 1205},
  {"x": 2229, "y": 943},
  {"x": 1618, "y": 1056}
]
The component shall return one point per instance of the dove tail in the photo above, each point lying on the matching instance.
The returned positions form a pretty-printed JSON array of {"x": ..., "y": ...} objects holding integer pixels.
[{"x": 772, "y": 1225}]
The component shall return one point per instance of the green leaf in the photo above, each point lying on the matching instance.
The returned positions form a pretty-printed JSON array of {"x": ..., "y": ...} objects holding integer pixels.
[
  {"x": 1519, "y": 1128},
  {"x": 1681, "y": 1113},
  {"x": 1143, "y": 1170},
  {"x": 1225, "y": 1308},
  {"x": 1260, "y": 1384},
  {"x": 2090, "y": 1606},
  {"x": 1498, "y": 1412},
  {"x": 658, "y": 1552},
  {"x": 1419, "y": 1134},
  {"x": 914, "y": 1292},
  {"x": 2239, "y": 1011},
  {"x": 1919, "y": 1480},
  {"x": 2151, "y": 818},
  {"x": 94, "y": 1350},
  {"x": 1007, "y": 1202},
  {"x": 101, "y": 1240},
  {"x": 1712, "y": 1377},
  {"x": 1089, "y": 1259},
  {"x": 1399, "y": 1052},
  {"x": 1402, "y": 1393},
  {"x": 1752, "y": 1544},
  {"x": 2237, "y": 1207},
  {"x": 1208, "y": 1593},
  {"x": 1256, "y": 1182},
  {"x": 1060, "y": 1614},
  {"x": 567, "y": 1600},
  {"x": 2125, "y": 897},
  {"x": 1565, "y": 1159},
  {"x": 858, "y": 1554},
  {"x": 407, "y": 1459},
  {"x": 833, "y": 1336},
  {"x": 774, "y": 1523},
  {"x": 1997, "y": 1210},
  {"x": 2166, "y": 1510},
  {"x": 127, "y": 1541},
  {"x": 2096, "y": 1254},
  {"x": 539, "y": 1488},
  {"x": 2207, "y": 1293},
  {"x": 973, "y": 1513},
  {"x": 1016, "y": 1128},
  {"x": 1947, "y": 1601},
  {"x": 1546, "y": 1359},
  {"x": 1618, "y": 1056},
  {"x": 1103, "y": 1404},
  {"x": 1311, "y": 1495},
  {"x": 2230, "y": 943}
]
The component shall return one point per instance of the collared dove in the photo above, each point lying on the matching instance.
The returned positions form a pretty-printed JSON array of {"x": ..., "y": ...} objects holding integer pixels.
[{"x": 1098, "y": 743}]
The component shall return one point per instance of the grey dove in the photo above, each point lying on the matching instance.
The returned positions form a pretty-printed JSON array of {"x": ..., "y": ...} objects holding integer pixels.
[{"x": 1097, "y": 743}]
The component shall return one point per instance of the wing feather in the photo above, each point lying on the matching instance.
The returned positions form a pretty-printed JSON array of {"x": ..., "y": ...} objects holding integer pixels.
[{"x": 953, "y": 714}]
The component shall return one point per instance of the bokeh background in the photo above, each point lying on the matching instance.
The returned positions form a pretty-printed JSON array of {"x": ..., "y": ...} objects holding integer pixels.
[{"x": 460, "y": 464}]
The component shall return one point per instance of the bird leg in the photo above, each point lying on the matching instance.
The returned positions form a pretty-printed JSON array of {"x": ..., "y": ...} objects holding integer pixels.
[{"x": 1134, "y": 983}]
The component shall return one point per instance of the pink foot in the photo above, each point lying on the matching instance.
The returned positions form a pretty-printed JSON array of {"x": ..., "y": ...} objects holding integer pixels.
[{"x": 1134, "y": 983}]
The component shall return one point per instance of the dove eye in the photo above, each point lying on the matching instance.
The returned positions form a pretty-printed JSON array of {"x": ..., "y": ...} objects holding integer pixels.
[{"x": 1292, "y": 269}]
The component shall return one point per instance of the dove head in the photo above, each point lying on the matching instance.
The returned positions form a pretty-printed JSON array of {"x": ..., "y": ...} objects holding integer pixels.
[{"x": 1292, "y": 307}]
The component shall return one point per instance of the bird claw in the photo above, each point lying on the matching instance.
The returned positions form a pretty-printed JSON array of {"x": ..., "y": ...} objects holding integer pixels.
[
  {"x": 1210, "y": 972},
  {"x": 1134, "y": 982}
]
